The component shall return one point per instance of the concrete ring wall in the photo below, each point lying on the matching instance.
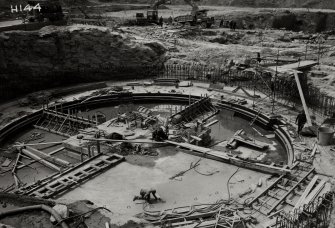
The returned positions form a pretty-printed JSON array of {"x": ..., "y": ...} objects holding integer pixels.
[{"x": 262, "y": 120}]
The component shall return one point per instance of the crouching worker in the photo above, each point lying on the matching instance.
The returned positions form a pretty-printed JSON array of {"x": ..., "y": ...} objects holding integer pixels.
[{"x": 145, "y": 195}]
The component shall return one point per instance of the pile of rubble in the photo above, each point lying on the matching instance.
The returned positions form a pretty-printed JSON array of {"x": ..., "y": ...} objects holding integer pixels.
[
  {"x": 126, "y": 149},
  {"x": 228, "y": 38}
]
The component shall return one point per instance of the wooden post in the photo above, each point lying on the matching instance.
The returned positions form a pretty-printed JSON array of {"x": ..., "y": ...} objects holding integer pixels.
[
  {"x": 14, "y": 170},
  {"x": 81, "y": 157},
  {"x": 17, "y": 160},
  {"x": 319, "y": 51},
  {"x": 89, "y": 151},
  {"x": 98, "y": 147},
  {"x": 189, "y": 99}
]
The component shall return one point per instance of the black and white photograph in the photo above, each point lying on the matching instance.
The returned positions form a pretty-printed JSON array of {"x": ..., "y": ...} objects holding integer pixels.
[{"x": 167, "y": 113}]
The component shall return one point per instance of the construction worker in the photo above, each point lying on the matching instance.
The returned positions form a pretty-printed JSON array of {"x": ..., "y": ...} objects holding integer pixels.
[
  {"x": 145, "y": 195},
  {"x": 221, "y": 23},
  {"x": 301, "y": 120},
  {"x": 170, "y": 20},
  {"x": 161, "y": 21},
  {"x": 234, "y": 25},
  {"x": 231, "y": 25},
  {"x": 259, "y": 59}
]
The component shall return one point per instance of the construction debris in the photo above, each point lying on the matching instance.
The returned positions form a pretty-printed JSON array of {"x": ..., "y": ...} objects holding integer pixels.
[
  {"x": 241, "y": 137},
  {"x": 192, "y": 166}
]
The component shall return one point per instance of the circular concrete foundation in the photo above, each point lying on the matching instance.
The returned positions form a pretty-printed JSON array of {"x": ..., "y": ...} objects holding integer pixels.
[{"x": 115, "y": 187}]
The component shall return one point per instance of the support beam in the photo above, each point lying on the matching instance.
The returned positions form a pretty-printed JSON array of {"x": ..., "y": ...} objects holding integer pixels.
[
  {"x": 56, "y": 151},
  {"x": 48, "y": 157},
  {"x": 40, "y": 160},
  {"x": 306, "y": 192},
  {"x": 37, "y": 144},
  {"x": 302, "y": 97},
  {"x": 121, "y": 140},
  {"x": 61, "y": 126},
  {"x": 314, "y": 193}
]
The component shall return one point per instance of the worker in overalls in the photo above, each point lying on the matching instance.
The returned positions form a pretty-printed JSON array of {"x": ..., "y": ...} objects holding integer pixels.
[
  {"x": 301, "y": 120},
  {"x": 161, "y": 21},
  {"x": 145, "y": 195}
]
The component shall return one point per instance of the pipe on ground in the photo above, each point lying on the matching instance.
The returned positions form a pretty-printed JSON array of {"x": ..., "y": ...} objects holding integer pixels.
[
  {"x": 36, "y": 207},
  {"x": 40, "y": 160}
]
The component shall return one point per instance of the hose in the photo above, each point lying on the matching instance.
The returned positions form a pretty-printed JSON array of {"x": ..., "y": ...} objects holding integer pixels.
[
  {"x": 36, "y": 207},
  {"x": 229, "y": 181},
  {"x": 82, "y": 214}
]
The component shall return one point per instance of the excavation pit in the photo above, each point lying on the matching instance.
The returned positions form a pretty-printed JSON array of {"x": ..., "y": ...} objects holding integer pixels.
[{"x": 115, "y": 187}]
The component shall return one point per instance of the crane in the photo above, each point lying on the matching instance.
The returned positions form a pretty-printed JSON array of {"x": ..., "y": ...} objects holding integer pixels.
[
  {"x": 156, "y": 3},
  {"x": 195, "y": 7}
]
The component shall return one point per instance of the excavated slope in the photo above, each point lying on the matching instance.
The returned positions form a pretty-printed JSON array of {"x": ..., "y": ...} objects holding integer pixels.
[
  {"x": 316, "y": 4},
  {"x": 57, "y": 56}
]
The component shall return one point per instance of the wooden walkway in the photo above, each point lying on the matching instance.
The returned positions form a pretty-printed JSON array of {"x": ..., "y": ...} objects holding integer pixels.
[
  {"x": 285, "y": 192},
  {"x": 299, "y": 66},
  {"x": 226, "y": 158},
  {"x": 63, "y": 182}
]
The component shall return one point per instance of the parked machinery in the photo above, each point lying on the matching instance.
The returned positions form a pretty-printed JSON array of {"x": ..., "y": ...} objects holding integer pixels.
[
  {"x": 152, "y": 14},
  {"x": 44, "y": 9},
  {"x": 197, "y": 17}
]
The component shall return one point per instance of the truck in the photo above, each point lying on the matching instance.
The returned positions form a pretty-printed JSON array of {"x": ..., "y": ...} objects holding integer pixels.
[
  {"x": 152, "y": 18},
  {"x": 152, "y": 13},
  {"x": 198, "y": 17}
]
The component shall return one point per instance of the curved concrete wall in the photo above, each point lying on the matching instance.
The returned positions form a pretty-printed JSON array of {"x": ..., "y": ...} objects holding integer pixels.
[{"x": 245, "y": 112}]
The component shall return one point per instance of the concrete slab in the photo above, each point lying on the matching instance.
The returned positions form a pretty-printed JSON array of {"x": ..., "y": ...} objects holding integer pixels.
[{"x": 115, "y": 188}]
